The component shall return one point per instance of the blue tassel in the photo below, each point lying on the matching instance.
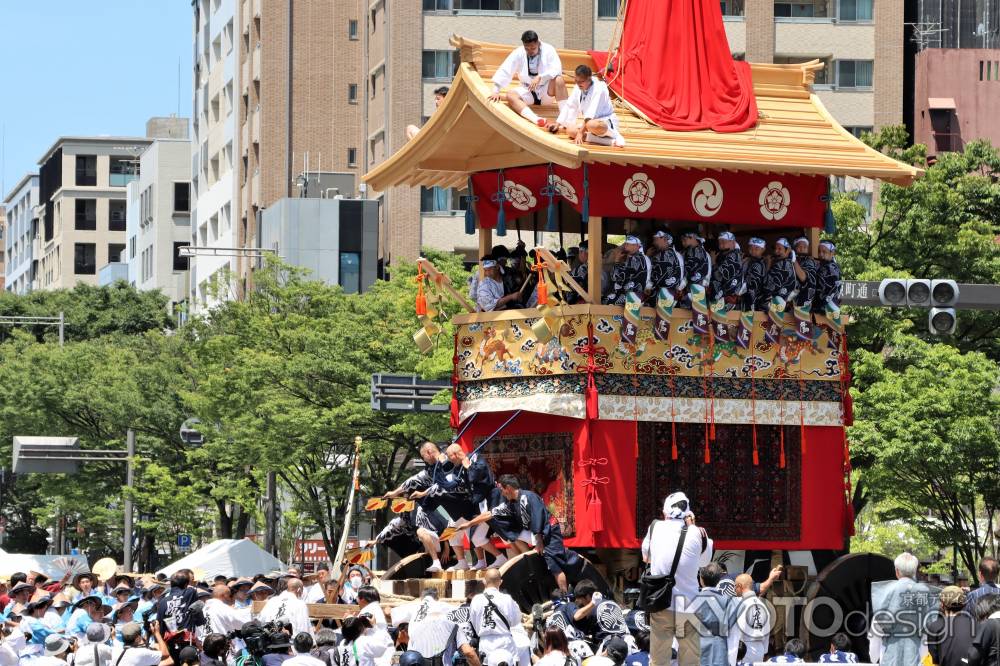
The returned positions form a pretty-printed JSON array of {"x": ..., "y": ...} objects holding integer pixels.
[
  {"x": 550, "y": 191},
  {"x": 585, "y": 208},
  {"x": 500, "y": 198},
  {"x": 470, "y": 211},
  {"x": 829, "y": 222}
]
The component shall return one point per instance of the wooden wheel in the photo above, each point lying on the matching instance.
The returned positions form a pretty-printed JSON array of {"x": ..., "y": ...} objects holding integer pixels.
[{"x": 846, "y": 584}]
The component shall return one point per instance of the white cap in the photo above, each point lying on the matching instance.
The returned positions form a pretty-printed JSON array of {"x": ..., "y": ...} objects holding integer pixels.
[
  {"x": 757, "y": 242},
  {"x": 828, "y": 245},
  {"x": 727, "y": 236},
  {"x": 783, "y": 242},
  {"x": 489, "y": 263},
  {"x": 801, "y": 239},
  {"x": 663, "y": 234},
  {"x": 633, "y": 240}
]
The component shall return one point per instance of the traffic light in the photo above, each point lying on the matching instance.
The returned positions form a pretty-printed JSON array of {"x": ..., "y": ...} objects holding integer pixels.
[
  {"x": 939, "y": 295},
  {"x": 944, "y": 295}
]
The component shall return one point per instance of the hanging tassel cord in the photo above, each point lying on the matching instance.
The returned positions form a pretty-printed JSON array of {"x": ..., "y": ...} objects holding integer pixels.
[{"x": 421, "y": 300}]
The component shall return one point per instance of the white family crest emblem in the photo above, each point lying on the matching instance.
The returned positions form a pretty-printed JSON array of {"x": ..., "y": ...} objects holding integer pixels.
[
  {"x": 518, "y": 195},
  {"x": 774, "y": 200},
  {"x": 706, "y": 197},
  {"x": 639, "y": 191},
  {"x": 563, "y": 188}
]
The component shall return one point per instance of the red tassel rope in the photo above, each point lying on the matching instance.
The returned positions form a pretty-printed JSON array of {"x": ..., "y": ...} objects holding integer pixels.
[
  {"x": 421, "y": 302},
  {"x": 753, "y": 397},
  {"x": 673, "y": 414},
  {"x": 711, "y": 371},
  {"x": 543, "y": 289},
  {"x": 781, "y": 456},
  {"x": 708, "y": 452},
  {"x": 453, "y": 415}
]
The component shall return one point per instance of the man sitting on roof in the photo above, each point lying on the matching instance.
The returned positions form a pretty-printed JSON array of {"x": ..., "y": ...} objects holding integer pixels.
[
  {"x": 439, "y": 95},
  {"x": 591, "y": 101},
  {"x": 539, "y": 71}
]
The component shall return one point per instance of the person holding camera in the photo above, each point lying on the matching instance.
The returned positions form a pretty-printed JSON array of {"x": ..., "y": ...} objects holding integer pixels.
[
  {"x": 135, "y": 650},
  {"x": 676, "y": 551}
]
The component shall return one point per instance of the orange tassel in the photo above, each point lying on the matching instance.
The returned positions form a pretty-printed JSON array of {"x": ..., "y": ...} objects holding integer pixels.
[
  {"x": 543, "y": 291},
  {"x": 673, "y": 450},
  {"x": 756, "y": 458},
  {"x": 781, "y": 457},
  {"x": 708, "y": 452},
  {"x": 421, "y": 302},
  {"x": 673, "y": 435}
]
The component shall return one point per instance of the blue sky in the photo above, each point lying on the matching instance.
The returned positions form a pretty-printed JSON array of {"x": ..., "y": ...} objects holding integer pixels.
[{"x": 87, "y": 67}]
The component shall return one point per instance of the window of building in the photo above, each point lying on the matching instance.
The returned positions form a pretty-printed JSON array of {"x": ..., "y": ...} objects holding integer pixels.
[
  {"x": 182, "y": 197},
  {"x": 441, "y": 200},
  {"x": 437, "y": 5},
  {"x": 858, "y": 130},
  {"x": 352, "y": 93},
  {"x": 86, "y": 169},
  {"x": 486, "y": 5},
  {"x": 116, "y": 215},
  {"x": 855, "y": 10},
  {"x": 349, "y": 276},
  {"x": 115, "y": 252},
  {"x": 352, "y": 157},
  {"x": 86, "y": 214},
  {"x": 85, "y": 258},
  {"x": 440, "y": 65},
  {"x": 854, "y": 74},
  {"x": 122, "y": 171},
  {"x": 180, "y": 262},
  {"x": 607, "y": 8},
  {"x": 794, "y": 10},
  {"x": 540, "y": 6},
  {"x": 732, "y": 7},
  {"x": 352, "y": 29},
  {"x": 131, "y": 247}
]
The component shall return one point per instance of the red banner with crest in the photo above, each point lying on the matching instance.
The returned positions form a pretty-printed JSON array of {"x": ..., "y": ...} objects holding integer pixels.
[{"x": 764, "y": 200}]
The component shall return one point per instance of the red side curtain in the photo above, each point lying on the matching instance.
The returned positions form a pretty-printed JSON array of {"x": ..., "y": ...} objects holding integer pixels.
[{"x": 675, "y": 66}]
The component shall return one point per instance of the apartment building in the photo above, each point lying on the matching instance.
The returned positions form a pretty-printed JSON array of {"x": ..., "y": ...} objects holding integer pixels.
[
  {"x": 19, "y": 230},
  {"x": 214, "y": 149},
  {"x": 81, "y": 207},
  {"x": 159, "y": 219},
  {"x": 859, "y": 41}
]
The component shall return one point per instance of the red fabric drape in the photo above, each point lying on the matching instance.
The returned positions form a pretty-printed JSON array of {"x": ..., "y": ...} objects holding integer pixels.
[
  {"x": 824, "y": 514},
  {"x": 674, "y": 65}
]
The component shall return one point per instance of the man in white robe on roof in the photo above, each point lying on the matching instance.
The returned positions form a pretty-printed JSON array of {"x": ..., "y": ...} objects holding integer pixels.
[
  {"x": 588, "y": 115},
  {"x": 539, "y": 71}
]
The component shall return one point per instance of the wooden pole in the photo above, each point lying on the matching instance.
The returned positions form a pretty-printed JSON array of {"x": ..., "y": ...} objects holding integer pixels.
[
  {"x": 349, "y": 514},
  {"x": 595, "y": 257}
]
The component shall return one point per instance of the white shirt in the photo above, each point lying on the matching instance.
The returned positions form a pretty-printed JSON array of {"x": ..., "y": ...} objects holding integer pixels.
[
  {"x": 10, "y": 647},
  {"x": 658, "y": 549},
  {"x": 365, "y": 648},
  {"x": 484, "y": 620},
  {"x": 84, "y": 655},
  {"x": 136, "y": 657},
  {"x": 490, "y": 291},
  {"x": 554, "y": 658},
  {"x": 314, "y": 594},
  {"x": 378, "y": 615},
  {"x": 595, "y": 102},
  {"x": 548, "y": 64},
  {"x": 288, "y": 606},
  {"x": 752, "y": 628},
  {"x": 303, "y": 660},
  {"x": 221, "y": 618},
  {"x": 48, "y": 661}
]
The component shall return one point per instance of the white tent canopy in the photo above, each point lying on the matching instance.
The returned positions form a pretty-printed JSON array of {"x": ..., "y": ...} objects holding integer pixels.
[{"x": 227, "y": 557}]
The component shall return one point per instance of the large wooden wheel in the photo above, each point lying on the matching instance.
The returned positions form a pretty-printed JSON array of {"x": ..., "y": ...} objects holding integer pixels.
[{"x": 845, "y": 584}]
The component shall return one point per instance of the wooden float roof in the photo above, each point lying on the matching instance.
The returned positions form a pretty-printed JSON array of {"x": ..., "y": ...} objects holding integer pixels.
[{"x": 468, "y": 133}]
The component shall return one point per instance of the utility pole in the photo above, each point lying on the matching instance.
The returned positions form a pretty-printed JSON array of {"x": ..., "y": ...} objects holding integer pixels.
[
  {"x": 270, "y": 514},
  {"x": 129, "y": 484}
]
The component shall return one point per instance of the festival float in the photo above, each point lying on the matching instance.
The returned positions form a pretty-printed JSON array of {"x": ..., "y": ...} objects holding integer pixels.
[{"x": 604, "y": 410}]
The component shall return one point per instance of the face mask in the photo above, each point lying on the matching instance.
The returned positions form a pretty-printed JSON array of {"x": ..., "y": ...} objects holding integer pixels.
[{"x": 355, "y": 581}]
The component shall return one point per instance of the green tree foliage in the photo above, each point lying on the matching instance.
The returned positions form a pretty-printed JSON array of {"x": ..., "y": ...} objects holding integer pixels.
[{"x": 925, "y": 436}]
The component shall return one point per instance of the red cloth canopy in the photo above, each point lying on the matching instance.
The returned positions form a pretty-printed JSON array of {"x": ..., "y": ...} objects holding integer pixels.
[{"x": 674, "y": 65}]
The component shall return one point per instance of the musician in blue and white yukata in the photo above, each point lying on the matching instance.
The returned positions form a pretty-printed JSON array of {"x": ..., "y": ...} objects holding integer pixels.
[
  {"x": 588, "y": 115},
  {"x": 539, "y": 71}
]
